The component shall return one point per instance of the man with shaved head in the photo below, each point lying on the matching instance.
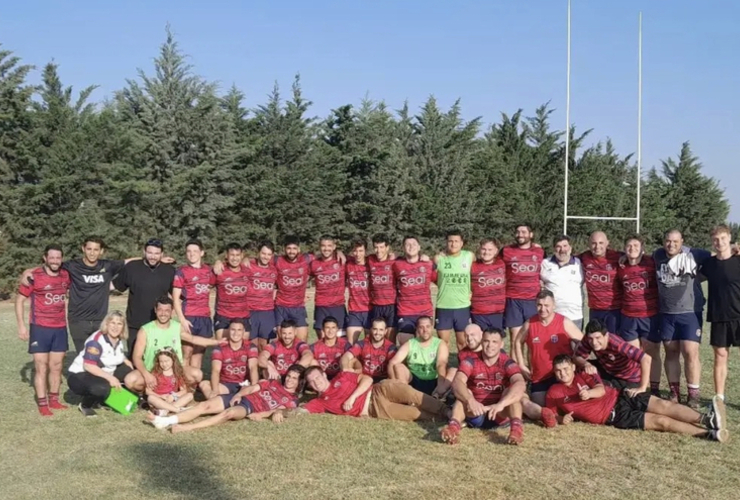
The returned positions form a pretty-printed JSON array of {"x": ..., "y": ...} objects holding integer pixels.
[
  {"x": 600, "y": 265},
  {"x": 473, "y": 338},
  {"x": 680, "y": 297}
]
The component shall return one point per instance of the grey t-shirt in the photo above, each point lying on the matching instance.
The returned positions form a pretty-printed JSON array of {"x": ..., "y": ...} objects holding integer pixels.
[{"x": 677, "y": 294}]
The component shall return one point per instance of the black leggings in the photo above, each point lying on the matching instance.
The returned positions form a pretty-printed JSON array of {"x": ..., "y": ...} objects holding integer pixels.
[{"x": 92, "y": 388}]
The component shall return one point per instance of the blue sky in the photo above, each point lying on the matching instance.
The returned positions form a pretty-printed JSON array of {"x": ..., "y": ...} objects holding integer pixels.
[{"x": 495, "y": 55}]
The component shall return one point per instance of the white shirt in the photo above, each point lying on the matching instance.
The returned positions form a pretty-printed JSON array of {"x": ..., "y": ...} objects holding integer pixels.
[
  {"x": 100, "y": 352},
  {"x": 566, "y": 283}
]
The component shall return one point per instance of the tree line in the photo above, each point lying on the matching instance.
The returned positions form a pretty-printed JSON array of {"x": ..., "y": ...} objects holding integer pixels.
[{"x": 171, "y": 156}]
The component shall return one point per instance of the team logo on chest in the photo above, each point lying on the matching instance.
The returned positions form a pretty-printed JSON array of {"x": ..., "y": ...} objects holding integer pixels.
[{"x": 554, "y": 339}]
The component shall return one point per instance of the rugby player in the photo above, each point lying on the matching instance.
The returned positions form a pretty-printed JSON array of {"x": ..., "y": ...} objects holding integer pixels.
[
  {"x": 583, "y": 397},
  {"x": 354, "y": 394},
  {"x": 723, "y": 311},
  {"x": 523, "y": 260},
  {"x": 453, "y": 288},
  {"x": 680, "y": 326},
  {"x": 261, "y": 278},
  {"x": 146, "y": 280},
  {"x": 256, "y": 402},
  {"x": 488, "y": 286},
  {"x": 562, "y": 274},
  {"x": 382, "y": 284},
  {"x": 232, "y": 365},
  {"x": 232, "y": 288},
  {"x": 328, "y": 351},
  {"x": 413, "y": 279},
  {"x": 640, "y": 305},
  {"x": 329, "y": 276},
  {"x": 489, "y": 388},
  {"x": 358, "y": 305},
  {"x": 425, "y": 358},
  {"x": 619, "y": 364},
  {"x": 163, "y": 332},
  {"x": 286, "y": 350},
  {"x": 600, "y": 264},
  {"x": 191, "y": 290},
  {"x": 473, "y": 338},
  {"x": 293, "y": 268},
  {"x": 47, "y": 335},
  {"x": 371, "y": 355}
]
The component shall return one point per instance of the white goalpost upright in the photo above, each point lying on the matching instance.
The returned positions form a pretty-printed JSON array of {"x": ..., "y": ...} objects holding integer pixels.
[{"x": 566, "y": 216}]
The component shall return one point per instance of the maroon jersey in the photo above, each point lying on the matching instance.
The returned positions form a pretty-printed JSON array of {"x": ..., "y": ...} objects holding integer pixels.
[
  {"x": 603, "y": 287},
  {"x": 332, "y": 399},
  {"x": 166, "y": 385},
  {"x": 261, "y": 282},
  {"x": 329, "y": 279},
  {"x": 488, "y": 383},
  {"x": 565, "y": 399},
  {"x": 358, "y": 279},
  {"x": 619, "y": 359},
  {"x": 414, "y": 282},
  {"x": 282, "y": 357},
  {"x": 640, "y": 288},
  {"x": 48, "y": 296},
  {"x": 328, "y": 357},
  {"x": 234, "y": 362},
  {"x": 522, "y": 271},
  {"x": 195, "y": 283},
  {"x": 292, "y": 280},
  {"x": 488, "y": 287},
  {"x": 544, "y": 344},
  {"x": 271, "y": 396},
  {"x": 232, "y": 288},
  {"x": 465, "y": 353},
  {"x": 382, "y": 286},
  {"x": 374, "y": 360}
]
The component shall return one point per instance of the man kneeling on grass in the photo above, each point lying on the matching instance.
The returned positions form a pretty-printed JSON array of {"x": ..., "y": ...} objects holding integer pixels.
[
  {"x": 354, "y": 394},
  {"x": 489, "y": 387},
  {"x": 256, "y": 402},
  {"x": 583, "y": 397}
]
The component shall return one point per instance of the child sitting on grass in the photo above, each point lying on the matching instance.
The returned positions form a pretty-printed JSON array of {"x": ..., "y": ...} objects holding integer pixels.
[{"x": 171, "y": 394}]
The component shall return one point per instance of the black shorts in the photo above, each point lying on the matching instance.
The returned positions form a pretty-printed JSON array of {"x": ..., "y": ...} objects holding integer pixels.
[
  {"x": 542, "y": 385},
  {"x": 629, "y": 413},
  {"x": 725, "y": 334},
  {"x": 425, "y": 386}
]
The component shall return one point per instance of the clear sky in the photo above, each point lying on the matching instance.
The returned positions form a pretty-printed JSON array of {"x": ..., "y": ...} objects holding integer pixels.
[{"x": 495, "y": 55}]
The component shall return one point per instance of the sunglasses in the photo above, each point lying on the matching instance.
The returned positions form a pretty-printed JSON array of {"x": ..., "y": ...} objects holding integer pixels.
[{"x": 154, "y": 242}]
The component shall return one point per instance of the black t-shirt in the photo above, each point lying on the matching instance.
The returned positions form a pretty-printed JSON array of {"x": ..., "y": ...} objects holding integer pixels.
[
  {"x": 88, "y": 295},
  {"x": 145, "y": 285},
  {"x": 723, "y": 277}
]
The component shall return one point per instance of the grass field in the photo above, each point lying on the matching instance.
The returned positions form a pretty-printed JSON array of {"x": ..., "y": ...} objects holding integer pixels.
[{"x": 112, "y": 456}]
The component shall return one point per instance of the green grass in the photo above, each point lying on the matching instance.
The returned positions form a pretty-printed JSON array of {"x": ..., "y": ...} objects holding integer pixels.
[{"x": 321, "y": 457}]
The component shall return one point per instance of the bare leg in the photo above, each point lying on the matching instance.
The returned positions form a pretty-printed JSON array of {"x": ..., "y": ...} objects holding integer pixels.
[
  {"x": 673, "y": 362},
  {"x": 353, "y": 333},
  {"x": 184, "y": 401},
  {"x": 445, "y": 336},
  {"x": 55, "y": 371},
  {"x": 514, "y": 337},
  {"x": 402, "y": 374},
  {"x": 210, "y": 407},
  {"x": 193, "y": 376},
  {"x": 460, "y": 337},
  {"x": 220, "y": 334},
  {"x": 205, "y": 387},
  {"x": 405, "y": 337},
  {"x": 134, "y": 381},
  {"x": 160, "y": 403},
  {"x": 663, "y": 423},
  {"x": 653, "y": 350},
  {"x": 720, "y": 369},
  {"x": 233, "y": 413},
  {"x": 635, "y": 343},
  {"x": 187, "y": 353},
  {"x": 391, "y": 334},
  {"x": 301, "y": 333},
  {"x": 196, "y": 360},
  {"x": 41, "y": 368},
  {"x": 673, "y": 410}
]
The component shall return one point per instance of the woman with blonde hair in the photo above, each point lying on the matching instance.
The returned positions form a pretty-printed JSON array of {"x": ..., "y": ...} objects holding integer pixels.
[{"x": 102, "y": 364}]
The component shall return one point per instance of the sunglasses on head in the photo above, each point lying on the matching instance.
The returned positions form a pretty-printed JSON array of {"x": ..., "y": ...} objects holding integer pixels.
[{"x": 154, "y": 242}]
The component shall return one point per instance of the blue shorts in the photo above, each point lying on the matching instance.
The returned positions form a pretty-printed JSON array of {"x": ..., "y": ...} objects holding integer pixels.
[
  {"x": 226, "y": 399},
  {"x": 684, "y": 326},
  {"x": 542, "y": 385},
  {"x": 263, "y": 325},
  {"x": 388, "y": 313},
  {"x": 700, "y": 319},
  {"x": 483, "y": 422},
  {"x": 643, "y": 328},
  {"x": 407, "y": 324},
  {"x": 42, "y": 339},
  {"x": 425, "y": 386},
  {"x": 518, "y": 311},
  {"x": 222, "y": 322},
  {"x": 232, "y": 387},
  {"x": 611, "y": 318},
  {"x": 488, "y": 321},
  {"x": 357, "y": 320},
  {"x": 452, "y": 319},
  {"x": 320, "y": 312},
  {"x": 202, "y": 326},
  {"x": 297, "y": 314}
]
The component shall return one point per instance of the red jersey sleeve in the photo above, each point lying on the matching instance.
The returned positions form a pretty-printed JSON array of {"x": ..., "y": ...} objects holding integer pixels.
[
  {"x": 356, "y": 349},
  {"x": 25, "y": 290},
  {"x": 551, "y": 399},
  {"x": 216, "y": 354},
  {"x": 584, "y": 349},
  {"x": 511, "y": 368},
  {"x": 466, "y": 367},
  {"x": 315, "y": 406},
  {"x": 179, "y": 280},
  {"x": 301, "y": 347},
  {"x": 253, "y": 352},
  {"x": 270, "y": 348},
  {"x": 632, "y": 352}
]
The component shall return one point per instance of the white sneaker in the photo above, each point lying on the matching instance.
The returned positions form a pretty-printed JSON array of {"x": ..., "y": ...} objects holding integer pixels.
[
  {"x": 722, "y": 435},
  {"x": 160, "y": 423}
]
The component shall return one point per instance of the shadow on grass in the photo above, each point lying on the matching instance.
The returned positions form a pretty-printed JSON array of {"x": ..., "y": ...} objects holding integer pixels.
[{"x": 179, "y": 470}]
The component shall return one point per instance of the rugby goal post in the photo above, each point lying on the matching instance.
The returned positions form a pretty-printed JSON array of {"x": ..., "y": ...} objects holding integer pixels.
[{"x": 636, "y": 218}]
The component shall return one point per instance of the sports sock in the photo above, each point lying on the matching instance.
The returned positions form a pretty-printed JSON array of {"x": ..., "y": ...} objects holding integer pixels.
[
  {"x": 54, "y": 402},
  {"x": 720, "y": 396},
  {"x": 654, "y": 388},
  {"x": 43, "y": 406},
  {"x": 516, "y": 422},
  {"x": 453, "y": 422},
  {"x": 693, "y": 391},
  {"x": 675, "y": 388}
]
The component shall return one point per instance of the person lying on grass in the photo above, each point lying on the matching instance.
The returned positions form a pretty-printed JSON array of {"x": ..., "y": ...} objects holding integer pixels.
[
  {"x": 256, "y": 402},
  {"x": 489, "y": 387},
  {"x": 583, "y": 397},
  {"x": 171, "y": 393}
]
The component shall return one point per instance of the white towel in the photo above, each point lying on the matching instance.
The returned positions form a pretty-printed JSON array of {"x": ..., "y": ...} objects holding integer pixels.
[{"x": 683, "y": 264}]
